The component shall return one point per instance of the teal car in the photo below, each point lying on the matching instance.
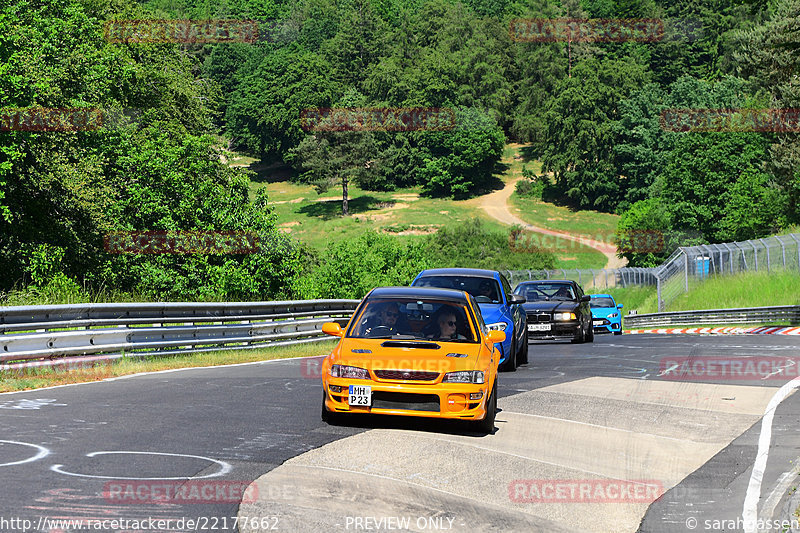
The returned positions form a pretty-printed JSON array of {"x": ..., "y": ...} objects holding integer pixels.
[{"x": 606, "y": 314}]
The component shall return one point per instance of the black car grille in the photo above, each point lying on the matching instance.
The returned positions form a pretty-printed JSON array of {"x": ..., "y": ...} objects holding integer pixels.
[
  {"x": 539, "y": 317},
  {"x": 406, "y": 375},
  {"x": 405, "y": 401}
]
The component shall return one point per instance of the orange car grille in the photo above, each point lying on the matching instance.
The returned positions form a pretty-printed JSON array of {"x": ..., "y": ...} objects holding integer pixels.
[{"x": 408, "y": 375}]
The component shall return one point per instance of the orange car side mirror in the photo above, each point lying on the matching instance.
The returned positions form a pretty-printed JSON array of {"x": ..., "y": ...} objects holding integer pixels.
[
  {"x": 332, "y": 328},
  {"x": 495, "y": 336}
]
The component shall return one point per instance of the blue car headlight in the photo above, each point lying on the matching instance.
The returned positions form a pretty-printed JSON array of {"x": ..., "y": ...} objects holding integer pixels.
[
  {"x": 613, "y": 315},
  {"x": 497, "y": 326}
]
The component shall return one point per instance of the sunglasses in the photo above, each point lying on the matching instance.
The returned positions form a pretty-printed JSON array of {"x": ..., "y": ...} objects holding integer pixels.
[{"x": 449, "y": 322}]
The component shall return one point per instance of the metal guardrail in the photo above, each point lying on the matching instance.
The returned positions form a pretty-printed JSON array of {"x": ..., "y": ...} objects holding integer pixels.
[
  {"x": 60, "y": 334},
  {"x": 746, "y": 315}
]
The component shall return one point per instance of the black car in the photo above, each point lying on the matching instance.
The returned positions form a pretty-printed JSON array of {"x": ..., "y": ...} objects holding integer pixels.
[{"x": 556, "y": 308}]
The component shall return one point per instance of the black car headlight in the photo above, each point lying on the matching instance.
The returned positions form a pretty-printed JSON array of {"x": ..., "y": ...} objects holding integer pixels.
[{"x": 564, "y": 316}]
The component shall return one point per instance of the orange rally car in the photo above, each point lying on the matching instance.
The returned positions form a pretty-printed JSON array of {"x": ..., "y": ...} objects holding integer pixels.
[{"x": 415, "y": 352}]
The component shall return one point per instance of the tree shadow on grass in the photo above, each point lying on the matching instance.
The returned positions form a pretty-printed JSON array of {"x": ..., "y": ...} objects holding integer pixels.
[
  {"x": 528, "y": 153},
  {"x": 328, "y": 209},
  {"x": 272, "y": 172}
]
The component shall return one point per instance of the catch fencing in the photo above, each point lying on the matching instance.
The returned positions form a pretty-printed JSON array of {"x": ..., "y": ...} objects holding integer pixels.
[
  {"x": 66, "y": 334},
  {"x": 687, "y": 265}
]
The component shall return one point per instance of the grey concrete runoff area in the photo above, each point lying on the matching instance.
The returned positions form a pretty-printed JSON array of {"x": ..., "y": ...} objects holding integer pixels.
[{"x": 602, "y": 437}]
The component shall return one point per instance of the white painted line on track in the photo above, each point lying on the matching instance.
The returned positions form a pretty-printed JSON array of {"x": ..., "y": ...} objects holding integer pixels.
[
  {"x": 670, "y": 369},
  {"x": 226, "y": 467},
  {"x": 783, "y": 484},
  {"x": 43, "y": 452},
  {"x": 750, "y": 508}
]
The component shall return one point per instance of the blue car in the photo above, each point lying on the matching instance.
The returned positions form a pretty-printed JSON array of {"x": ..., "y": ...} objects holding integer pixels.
[
  {"x": 501, "y": 309},
  {"x": 606, "y": 314}
]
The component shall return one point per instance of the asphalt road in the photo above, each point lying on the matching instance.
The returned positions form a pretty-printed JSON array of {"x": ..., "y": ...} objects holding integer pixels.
[{"x": 591, "y": 413}]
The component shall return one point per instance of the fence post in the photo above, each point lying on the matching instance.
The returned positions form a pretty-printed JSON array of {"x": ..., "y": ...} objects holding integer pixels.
[
  {"x": 730, "y": 255},
  {"x": 766, "y": 247},
  {"x": 755, "y": 252},
  {"x": 685, "y": 270},
  {"x": 798, "y": 248},
  {"x": 658, "y": 294},
  {"x": 783, "y": 252}
]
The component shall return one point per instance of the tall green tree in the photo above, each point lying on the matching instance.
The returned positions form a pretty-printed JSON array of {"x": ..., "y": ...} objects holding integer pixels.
[{"x": 580, "y": 132}]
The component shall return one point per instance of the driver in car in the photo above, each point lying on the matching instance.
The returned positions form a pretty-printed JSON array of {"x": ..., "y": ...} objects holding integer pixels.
[
  {"x": 387, "y": 317},
  {"x": 564, "y": 292},
  {"x": 486, "y": 289}
]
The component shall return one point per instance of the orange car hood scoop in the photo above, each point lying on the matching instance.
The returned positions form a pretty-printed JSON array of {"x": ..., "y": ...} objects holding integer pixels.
[{"x": 411, "y": 344}]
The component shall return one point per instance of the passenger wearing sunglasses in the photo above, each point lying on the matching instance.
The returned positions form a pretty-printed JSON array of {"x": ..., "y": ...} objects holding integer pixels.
[{"x": 447, "y": 325}]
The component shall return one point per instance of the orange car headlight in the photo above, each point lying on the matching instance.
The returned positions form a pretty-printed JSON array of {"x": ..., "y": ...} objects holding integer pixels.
[
  {"x": 464, "y": 376},
  {"x": 349, "y": 372}
]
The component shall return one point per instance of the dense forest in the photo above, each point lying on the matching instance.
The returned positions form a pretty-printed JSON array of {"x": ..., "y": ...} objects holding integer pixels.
[{"x": 591, "y": 112}]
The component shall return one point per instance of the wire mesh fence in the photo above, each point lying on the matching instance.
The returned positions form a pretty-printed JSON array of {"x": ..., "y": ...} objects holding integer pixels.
[{"x": 686, "y": 265}]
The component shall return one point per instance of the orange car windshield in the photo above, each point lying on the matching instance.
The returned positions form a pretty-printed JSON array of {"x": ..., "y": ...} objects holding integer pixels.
[{"x": 414, "y": 319}]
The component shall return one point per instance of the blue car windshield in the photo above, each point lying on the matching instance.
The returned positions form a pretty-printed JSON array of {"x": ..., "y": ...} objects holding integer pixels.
[
  {"x": 602, "y": 302},
  {"x": 484, "y": 290}
]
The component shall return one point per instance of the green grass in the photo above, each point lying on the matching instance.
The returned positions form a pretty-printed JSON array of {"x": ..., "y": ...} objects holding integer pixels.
[
  {"x": 642, "y": 299},
  {"x": 316, "y": 219},
  {"x": 596, "y": 225},
  {"x": 47, "y": 377},
  {"x": 752, "y": 289}
]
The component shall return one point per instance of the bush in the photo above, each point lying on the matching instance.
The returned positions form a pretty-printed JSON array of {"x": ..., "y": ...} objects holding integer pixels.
[
  {"x": 349, "y": 269},
  {"x": 532, "y": 186},
  {"x": 470, "y": 244}
]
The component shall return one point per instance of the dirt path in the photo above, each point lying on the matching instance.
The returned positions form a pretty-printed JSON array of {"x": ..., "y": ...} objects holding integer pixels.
[{"x": 496, "y": 206}]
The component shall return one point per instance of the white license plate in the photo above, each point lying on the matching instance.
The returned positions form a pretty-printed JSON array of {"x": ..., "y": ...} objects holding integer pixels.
[
  {"x": 360, "y": 395},
  {"x": 597, "y": 322},
  {"x": 538, "y": 327}
]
